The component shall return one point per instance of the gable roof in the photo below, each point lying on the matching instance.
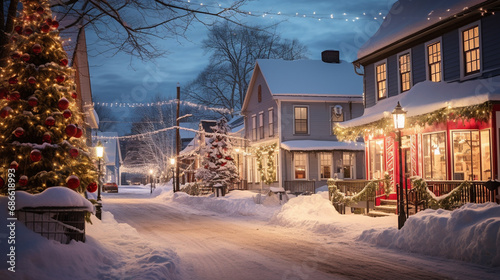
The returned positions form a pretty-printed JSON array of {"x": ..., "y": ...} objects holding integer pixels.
[{"x": 408, "y": 17}]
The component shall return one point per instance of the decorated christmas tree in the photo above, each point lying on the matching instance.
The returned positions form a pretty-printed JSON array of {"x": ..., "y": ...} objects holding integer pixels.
[
  {"x": 217, "y": 165},
  {"x": 40, "y": 139}
]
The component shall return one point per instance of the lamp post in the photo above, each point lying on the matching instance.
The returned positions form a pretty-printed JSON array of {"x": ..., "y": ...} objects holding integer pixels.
[
  {"x": 172, "y": 164},
  {"x": 399, "y": 116},
  {"x": 100, "y": 153}
]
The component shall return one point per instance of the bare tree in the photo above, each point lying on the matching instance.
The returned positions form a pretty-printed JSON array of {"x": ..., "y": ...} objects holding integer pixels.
[
  {"x": 126, "y": 26},
  {"x": 234, "y": 50}
]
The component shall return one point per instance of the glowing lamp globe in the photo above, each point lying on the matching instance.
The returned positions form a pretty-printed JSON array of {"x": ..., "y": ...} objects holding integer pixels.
[
  {"x": 72, "y": 182},
  {"x": 399, "y": 116},
  {"x": 36, "y": 155}
]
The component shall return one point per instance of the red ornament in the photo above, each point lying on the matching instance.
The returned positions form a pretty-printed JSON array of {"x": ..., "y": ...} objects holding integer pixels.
[
  {"x": 37, "y": 49},
  {"x": 63, "y": 104},
  {"x": 73, "y": 152},
  {"x": 79, "y": 132},
  {"x": 74, "y": 95},
  {"x": 206, "y": 166},
  {"x": 5, "y": 112},
  {"x": 228, "y": 158},
  {"x": 33, "y": 101},
  {"x": 67, "y": 114},
  {"x": 14, "y": 165},
  {"x": 219, "y": 156},
  {"x": 36, "y": 155},
  {"x": 92, "y": 187},
  {"x": 63, "y": 62},
  {"x": 55, "y": 24},
  {"x": 28, "y": 31},
  {"x": 50, "y": 121},
  {"x": 18, "y": 29},
  {"x": 23, "y": 181},
  {"x": 25, "y": 57},
  {"x": 32, "y": 80},
  {"x": 2, "y": 182},
  {"x": 60, "y": 79},
  {"x": 47, "y": 138},
  {"x": 3, "y": 93},
  {"x": 48, "y": 21},
  {"x": 40, "y": 10},
  {"x": 70, "y": 130},
  {"x": 14, "y": 96},
  {"x": 19, "y": 132},
  {"x": 45, "y": 28},
  {"x": 222, "y": 164},
  {"x": 13, "y": 80},
  {"x": 15, "y": 55},
  {"x": 72, "y": 182}
]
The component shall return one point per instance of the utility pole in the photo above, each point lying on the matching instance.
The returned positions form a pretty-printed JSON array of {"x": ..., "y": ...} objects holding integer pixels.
[{"x": 177, "y": 140}]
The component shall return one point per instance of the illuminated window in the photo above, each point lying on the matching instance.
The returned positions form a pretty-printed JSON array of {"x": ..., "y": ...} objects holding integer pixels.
[
  {"x": 381, "y": 81},
  {"x": 300, "y": 117},
  {"x": 434, "y": 58},
  {"x": 376, "y": 159},
  {"x": 348, "y": 164},
  {"x": 404, "y": 72},
  {"x": 471, "y": 155},
  {"x": 325, "y": 167},
  {"x": 472, "y": 62},
  {"x": 254, "y": 127},
  {"x": 434, "y": 152},
  {"x": 271, "y": 122},
  {"x": 300, "y": 165}
]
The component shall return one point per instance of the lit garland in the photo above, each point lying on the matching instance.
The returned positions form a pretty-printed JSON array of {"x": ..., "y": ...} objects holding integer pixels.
[
  {"x": 337, "y": 197},
  {"x": 269, "y": 175},
  {"x": 150, "y": 133},
  {"x": 448, "y": 201},
  {"x": 159, "y": 103},
  {"x": 479, "y": 112}
]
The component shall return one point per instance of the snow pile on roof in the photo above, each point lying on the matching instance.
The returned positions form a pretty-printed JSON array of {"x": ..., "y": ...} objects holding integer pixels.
[
  {"x": 314, "y": 145},
  {"x": 427, "y": 96},
  {"x": 53, "y": 197},
  {"x": 310, "y": 77},
  {"x": 409, "y": 16},
  {"x": 471, "y": 233}
]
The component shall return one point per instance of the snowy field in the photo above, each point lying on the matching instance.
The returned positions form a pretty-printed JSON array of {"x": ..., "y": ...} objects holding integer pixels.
[{"x": 464, "y": 244}]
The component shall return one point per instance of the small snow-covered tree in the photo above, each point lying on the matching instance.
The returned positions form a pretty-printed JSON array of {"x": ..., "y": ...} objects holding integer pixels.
[{"x": 217, "y": 165}]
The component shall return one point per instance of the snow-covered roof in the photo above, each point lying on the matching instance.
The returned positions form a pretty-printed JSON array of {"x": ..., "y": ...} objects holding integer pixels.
[
  {"x": 426, "y": 97},
  {"x": 310, "y": 77},
  {"x": 53, "y": 197},
  {"x": 316, "y": 145},
  {"x": 407, "y": 17}
]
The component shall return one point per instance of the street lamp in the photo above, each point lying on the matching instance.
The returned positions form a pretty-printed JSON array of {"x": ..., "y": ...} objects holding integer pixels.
[
  {"x": 99, "y": 149},
  {"x": 172, "y": 166},
  {"x": 399, "y": 116}
]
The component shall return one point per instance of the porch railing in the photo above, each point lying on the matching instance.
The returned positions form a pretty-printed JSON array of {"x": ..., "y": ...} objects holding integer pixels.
[
  {"x": 352, "y": 187},
  {"x": 242, "y": 185},
  {"x": 300, "y": 187}
]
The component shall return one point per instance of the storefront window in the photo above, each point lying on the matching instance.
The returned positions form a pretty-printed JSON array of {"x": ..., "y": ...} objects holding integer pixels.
[
  {"x": 466, "y": 155},
  {"x": 485, "y": 155},
  {"x": 434, "y": 161},
  {"x": 376, "y": 159}
]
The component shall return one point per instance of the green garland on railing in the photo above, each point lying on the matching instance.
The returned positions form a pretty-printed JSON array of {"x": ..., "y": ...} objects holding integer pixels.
[
  {"x": 267, "y": 177},
  {"x": 387, "y": 184},
  {"x": 338, "y": 197},
  {"x": 450, "y": 201},
  {"x": 479, "y": 112}
]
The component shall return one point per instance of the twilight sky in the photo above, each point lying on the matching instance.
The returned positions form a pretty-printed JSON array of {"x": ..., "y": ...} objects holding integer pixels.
[{"x": 122, "y": 78}]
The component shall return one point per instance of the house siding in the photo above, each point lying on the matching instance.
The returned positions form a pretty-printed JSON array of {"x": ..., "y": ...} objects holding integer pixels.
[
  {"x": 369, "y": 79},
  {"x": 451, "y": 55},
  {"x": 418, "y": 63},
  {"x": 490, "y": 42},
  {"x": 392, "y": 76}
]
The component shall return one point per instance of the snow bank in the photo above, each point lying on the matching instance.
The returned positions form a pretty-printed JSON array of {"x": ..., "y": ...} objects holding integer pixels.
[
  {"x": 53, "y": 197},
  {"x": 471, "y": 233},
  {"x": 112, "y": 251}
]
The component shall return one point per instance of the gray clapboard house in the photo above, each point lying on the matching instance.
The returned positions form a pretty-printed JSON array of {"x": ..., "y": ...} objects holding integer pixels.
[{"x": 290, "y": 109}]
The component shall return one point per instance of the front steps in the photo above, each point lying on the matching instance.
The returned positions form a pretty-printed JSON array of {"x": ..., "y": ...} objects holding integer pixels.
[{"x": 387, "y": 207}]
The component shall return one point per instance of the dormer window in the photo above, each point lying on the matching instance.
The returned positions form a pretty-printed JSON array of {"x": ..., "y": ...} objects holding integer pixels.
[
  {"x": 259, "y": 93},
  {"x": 381, "y": 81},
  {"x": 434, "y": 60},
  {"x": 472, "y": 62}
]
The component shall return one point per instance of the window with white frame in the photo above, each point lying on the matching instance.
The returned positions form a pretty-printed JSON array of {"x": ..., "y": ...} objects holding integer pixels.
[
  {"x": 381, "y": 72},
  {"x": 301, "y": 119},
  {"x": 261, "y": 125},
  {"x": 325, "y": 165},
  {"x": 300, "y": 160},
  {"x": 471, "y": 54},
  {"x": 404, "y": 72},
  {"x": 376, "y": 159},
  {"x": 348, "y": 164},
  {"x": 271, "y": 122},
  {"x": 434, "y": 152},
  {"x": 254, "y": 127},
  {"x": 434, "y": 61}
]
